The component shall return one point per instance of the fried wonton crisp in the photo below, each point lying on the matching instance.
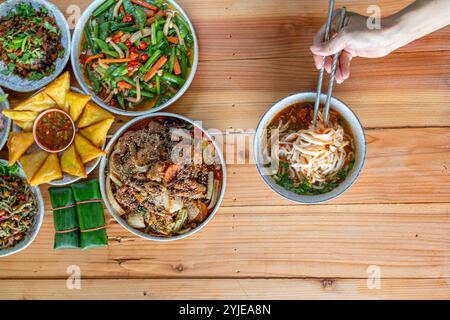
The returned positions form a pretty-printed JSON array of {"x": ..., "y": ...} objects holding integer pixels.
[
  {"x": 58, "y": 90},
  {"x": 26, "y": 126},
  {"x": 93, "y": 114},
  {"x": 87, "y": 150},
  {"x": 37, "y": 103},
  {"x": 18, "y": 115},
  {"x": 32, "y": 162},
  {"x": 49, "y": 171},
  {"x": 96, "y": 133},
  {"x": 71, "y": 163},
  {"x": 77, "y": 102},
  {"x": 18, "y": 143}
]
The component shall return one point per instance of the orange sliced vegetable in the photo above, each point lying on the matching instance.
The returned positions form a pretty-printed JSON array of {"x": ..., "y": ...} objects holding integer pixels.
[
  {"x": 176, "y": 67},
  {"x": 173, "y": 40},
  {"x": 94, "y": 57},
  {"x": 124, "y": 85},
  {"x": 145, "y": 5},
  {"x": 158, "y": 65},
  {"x": 170, "y": 172},
  {"x": 106, "y": 61},
  {"x": 149, "y": 13},
  {"x": 203, "y": 212}
]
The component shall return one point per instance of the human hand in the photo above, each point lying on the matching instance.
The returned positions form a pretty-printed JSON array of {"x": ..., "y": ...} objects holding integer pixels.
[{"x": 354, "y": 40}]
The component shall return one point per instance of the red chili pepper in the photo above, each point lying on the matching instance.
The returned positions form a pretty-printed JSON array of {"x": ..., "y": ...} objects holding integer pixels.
[
  {"x": 128, "y": 18},
  {"x": 128, "y": 43},
  {"x": 144, "y": 57},
  {"x": 132, "y": 67},
  {"x": 142, "y": 45},
  {"x": 116, "y": 40},
  {"x": 134, "y": 55}
]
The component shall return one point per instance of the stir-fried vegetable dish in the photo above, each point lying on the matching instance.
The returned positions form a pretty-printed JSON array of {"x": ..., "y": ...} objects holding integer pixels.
[
  {"x": 136, "y": 53},
  {"x": 30, "y": 42},
  {"x": 18, "y": 207},
  {"x": 156, "y": 193}
]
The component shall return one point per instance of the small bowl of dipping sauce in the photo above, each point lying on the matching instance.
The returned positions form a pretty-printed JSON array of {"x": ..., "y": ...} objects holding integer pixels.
[{"x": 54, "y": 130}]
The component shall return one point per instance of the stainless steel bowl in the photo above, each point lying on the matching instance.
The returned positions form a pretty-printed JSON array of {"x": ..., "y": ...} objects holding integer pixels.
[
  {"x": 31, "y": 235},
  {"x": 102, "y": 177},
  {"x": 75, "y": 54},
  {"x": 350, "y": 118},
  {"x": 20, "y": 84}
]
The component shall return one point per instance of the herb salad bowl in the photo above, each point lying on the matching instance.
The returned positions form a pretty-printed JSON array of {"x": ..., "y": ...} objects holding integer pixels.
[{"x": 20, "y": 84}]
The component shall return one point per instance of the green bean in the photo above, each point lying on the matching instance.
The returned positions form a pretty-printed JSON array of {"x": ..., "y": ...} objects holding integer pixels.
[
  {"x": 123, "y": 46},
  {"x": 105, "y": 6},
  {"x": 155, "y": 56},
  {"x": 158, "y": 84},
  {"x": 129, "y": 80},
  {"x": 153, "y": 35},
  {"x": 88, "y": 35},
  {"x": 119, "y": 71},
  {"x": 101, "y": 44},
  {"x": 95, "y": 31},
  {"x": 94, "y": 81},
  {"x": 172, "y": 60},
  {"x": 121, "y": 100},
  {"x": 172, "y": 79},
  {"x": 183, "y": 62},
  {"x": 146, "y": 94},
  {"x": 103, "y": 30}
]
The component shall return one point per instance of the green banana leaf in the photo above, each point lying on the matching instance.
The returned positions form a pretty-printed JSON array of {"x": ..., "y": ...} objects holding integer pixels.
[
  {"x": 90, "y": 215},
  {"x": 64, "y": 219}
]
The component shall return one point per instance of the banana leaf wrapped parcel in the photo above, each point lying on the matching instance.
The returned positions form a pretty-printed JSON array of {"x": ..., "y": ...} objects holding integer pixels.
[
  {"x": 65, "y": 218},
  {"x": 90, "y": 213}
]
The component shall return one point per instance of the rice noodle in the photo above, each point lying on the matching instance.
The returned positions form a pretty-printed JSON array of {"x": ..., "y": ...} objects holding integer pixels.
[{"x": 315, "y": 154}]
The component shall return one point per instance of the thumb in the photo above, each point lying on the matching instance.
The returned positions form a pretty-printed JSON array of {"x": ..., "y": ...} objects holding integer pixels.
[{"x": 334, "y": 45}]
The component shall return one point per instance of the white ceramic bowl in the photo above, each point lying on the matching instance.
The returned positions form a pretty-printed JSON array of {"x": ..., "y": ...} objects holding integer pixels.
[
  {"x": 353, "y": 123},
  {"x": 31, "y": 235},
  {"x": 102, "y": 178},
  {"x": 75, "y": 60},
  {"x": 20, "y": 84}
]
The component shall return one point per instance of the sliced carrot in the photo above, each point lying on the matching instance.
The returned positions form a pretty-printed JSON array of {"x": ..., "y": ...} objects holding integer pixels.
[
  {"x": 203, "y": 211},
  {"x": 124, "y": 85},
  {"x": 92, "y": 58},
  {"x": 118, "y": 35},
  {"x": 170, "y": 172},
  {"x": 122, "y": 10},
  {"x": 145, "y": 5},
  {"x": 150, "y": 21},
  {"x": 158, "y": 65},
  {"x": 161, "y": 13},
  {"x": 173, "y": 40},
  {"x": 176, "y": 67},
  {"x": 149, "y": 13},
  {"x": 106, "y": 61}
]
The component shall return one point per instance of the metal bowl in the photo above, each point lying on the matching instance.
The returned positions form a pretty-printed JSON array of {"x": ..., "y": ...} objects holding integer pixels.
[
  {"x": 6, "y": 121},
  {"x": 102, "y": 177},
  {"x": 20, "y": 84},
  {"x": 75, "y": 54},
  {"x": 29, "y": 238},
  {"x": 354, "y": 125},
  {"x": 67, "y": 178}
]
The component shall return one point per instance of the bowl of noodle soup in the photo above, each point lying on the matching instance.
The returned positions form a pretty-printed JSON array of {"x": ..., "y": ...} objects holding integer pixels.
[{"x": 306, "y": 163}]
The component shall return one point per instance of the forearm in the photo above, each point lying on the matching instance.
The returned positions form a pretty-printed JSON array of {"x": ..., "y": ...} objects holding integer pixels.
[{"x": 417, "y": 20}]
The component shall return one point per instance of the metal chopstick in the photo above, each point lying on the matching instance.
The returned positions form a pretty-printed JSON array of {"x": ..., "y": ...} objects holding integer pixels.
[
  {"x": 326, "y": 111},
  {"x": 322, "y": 70}
]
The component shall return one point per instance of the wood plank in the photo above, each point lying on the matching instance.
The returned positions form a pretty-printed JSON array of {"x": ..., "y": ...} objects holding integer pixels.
[
  {"x": 402, "y": 165},
  {"x": 404, "y": 241},
  {"x": 401, "y": 90},
  {"x": 261, "y": 289}
]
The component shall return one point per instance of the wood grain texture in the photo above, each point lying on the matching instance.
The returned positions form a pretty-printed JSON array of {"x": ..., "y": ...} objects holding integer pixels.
[
  {"x": 266, "y": 242},
  {"x": 396, "y": 216},
  {"x": 260, "y": 289}
]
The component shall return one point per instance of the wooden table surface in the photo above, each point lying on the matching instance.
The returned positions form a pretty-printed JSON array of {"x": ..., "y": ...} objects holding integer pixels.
[{"x": 395, "y": 219}]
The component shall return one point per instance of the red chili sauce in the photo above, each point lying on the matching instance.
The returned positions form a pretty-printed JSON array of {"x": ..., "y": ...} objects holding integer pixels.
[{"x": 54, "y": 130}]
